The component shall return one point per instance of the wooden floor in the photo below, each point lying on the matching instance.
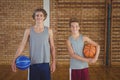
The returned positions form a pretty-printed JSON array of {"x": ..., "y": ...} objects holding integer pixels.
[{"x": 62, "y": 73}]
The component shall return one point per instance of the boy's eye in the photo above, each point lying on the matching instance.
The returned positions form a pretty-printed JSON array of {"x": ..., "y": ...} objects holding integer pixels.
[{"x": 37, "y": 15}]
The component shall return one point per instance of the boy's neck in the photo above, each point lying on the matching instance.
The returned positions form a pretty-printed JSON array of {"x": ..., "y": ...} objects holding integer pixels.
[
  {"x": 39, "y": 25},
  {"x": 76, "y": 35}
]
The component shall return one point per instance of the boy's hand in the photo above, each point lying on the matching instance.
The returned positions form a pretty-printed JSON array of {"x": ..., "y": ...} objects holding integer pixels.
[
  {"x": 52, "y": 67},
  {"x": 93, "y": 60},
  {"x": 13, "y": 66},
  {"x": 88, "y": 60}
]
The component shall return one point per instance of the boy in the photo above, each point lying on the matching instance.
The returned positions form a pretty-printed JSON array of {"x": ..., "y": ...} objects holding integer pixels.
[{"x": 41, "y": 46}]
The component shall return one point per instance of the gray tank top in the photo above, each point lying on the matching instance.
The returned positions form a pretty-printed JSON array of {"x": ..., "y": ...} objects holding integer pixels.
[
  {"x": 77, "y": 46},
  {"x": 39, "y": 46}
]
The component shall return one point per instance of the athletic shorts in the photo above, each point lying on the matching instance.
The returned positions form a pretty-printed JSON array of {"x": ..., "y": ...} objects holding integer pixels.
[
  {"x": 79, "y": 74},
  {"x": 40, "y": 71}
]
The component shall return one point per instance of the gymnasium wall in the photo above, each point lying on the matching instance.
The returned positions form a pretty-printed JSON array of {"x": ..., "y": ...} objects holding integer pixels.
[{"x": 15, "y": 17}]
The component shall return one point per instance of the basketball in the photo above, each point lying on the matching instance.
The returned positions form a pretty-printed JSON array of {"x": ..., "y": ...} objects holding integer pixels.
[
  {"x": 89, "y": 51},
  {"x": 22, "y": 62}
]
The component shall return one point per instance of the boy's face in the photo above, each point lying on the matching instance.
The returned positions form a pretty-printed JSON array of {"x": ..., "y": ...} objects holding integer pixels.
[
  {"x": 75, "y": 27},
  {"x": 39, "y": 17}
]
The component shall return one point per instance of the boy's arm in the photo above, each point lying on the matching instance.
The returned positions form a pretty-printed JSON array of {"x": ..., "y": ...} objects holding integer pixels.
[
  {"x": 52, "y": 49},
  {"x": 87, "y": 39},
  {"x": 73, "y": 55},
  {"x": 20, "y": 48}
]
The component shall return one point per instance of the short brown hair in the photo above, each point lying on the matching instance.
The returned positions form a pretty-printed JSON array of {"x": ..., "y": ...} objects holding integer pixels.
[
  {"x": 39, "y": 10},
  {"x": 73, "y": 20}
]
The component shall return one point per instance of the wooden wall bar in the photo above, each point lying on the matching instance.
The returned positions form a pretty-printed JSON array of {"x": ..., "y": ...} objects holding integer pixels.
[{"x": 115, "y": 33}]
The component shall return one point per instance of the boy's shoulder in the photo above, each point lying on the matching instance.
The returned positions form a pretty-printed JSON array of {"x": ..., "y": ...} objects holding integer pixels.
[
  {"x": 84, "y": 35},
  {"x": 27, "y": 30}
]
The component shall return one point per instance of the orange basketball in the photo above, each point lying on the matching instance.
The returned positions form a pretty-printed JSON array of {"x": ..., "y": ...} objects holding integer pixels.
[{"x": 89, "y": 51}]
